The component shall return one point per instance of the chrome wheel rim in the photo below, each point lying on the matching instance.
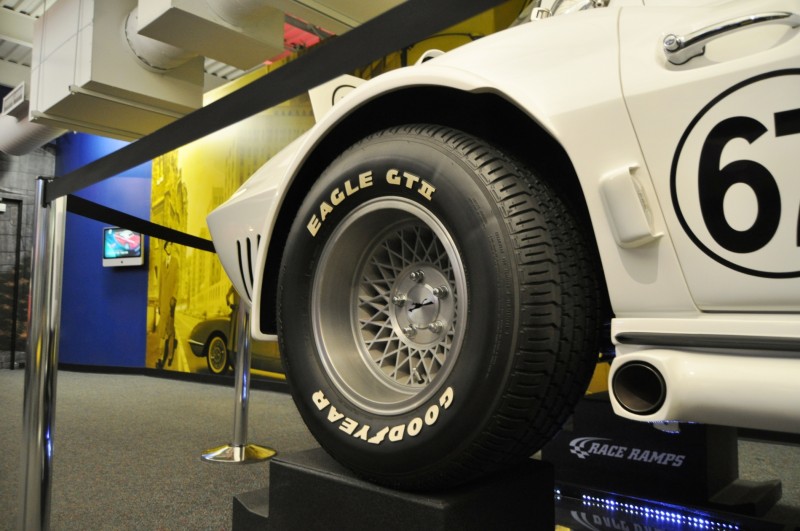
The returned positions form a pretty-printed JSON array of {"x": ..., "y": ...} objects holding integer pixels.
[
  {"x": 388, "y": 305},
  {"x": 217, "y": 354}
]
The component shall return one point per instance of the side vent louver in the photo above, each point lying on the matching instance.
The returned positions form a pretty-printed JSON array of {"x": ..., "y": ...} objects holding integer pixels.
[{"x": 246, "y": 250}]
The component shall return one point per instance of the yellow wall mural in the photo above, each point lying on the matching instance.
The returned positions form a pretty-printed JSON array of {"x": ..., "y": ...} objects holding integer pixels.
[{"x": 190, "y": 301}]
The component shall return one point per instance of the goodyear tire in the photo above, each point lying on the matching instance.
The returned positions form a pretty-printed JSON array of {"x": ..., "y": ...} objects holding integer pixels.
[
  {"x": 216, "y": 352},
  {"x": 438, "y": 309}
]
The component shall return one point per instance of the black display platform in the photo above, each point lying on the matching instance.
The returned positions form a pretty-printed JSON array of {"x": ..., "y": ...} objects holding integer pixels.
[
  {"x": 310, "y": 491},
  {"x": 696, "y": 466}
]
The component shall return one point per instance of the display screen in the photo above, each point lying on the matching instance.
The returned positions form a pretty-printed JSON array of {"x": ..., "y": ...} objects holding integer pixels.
[{"x": 122, "y": 247}]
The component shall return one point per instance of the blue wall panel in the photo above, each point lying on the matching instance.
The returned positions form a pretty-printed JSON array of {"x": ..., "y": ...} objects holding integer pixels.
[{"x": 103, "y": 309}]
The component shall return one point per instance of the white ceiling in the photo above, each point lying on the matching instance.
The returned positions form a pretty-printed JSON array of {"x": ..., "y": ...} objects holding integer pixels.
[
  {"x": 16, "y": 36},
  {"x": 337, "y": 16}
]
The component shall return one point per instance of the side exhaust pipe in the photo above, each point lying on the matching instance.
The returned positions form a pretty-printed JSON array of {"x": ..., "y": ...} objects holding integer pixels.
[
  {"x": 639, "y": 388},
  {"x": 758, "y": 391}
]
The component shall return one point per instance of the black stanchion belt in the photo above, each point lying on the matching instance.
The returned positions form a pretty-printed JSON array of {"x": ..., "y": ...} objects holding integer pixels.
[
  {"x": 88, "y": 209},
  {"x": 394, "y": 30}
]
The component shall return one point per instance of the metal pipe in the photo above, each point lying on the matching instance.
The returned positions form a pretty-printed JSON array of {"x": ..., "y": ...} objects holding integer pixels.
[
  {"x": 42, "y": 361},
  {"x": 239, "y": 451},
  {"x": 242, "y": 378},
  {"x": 639, "y": 387}
]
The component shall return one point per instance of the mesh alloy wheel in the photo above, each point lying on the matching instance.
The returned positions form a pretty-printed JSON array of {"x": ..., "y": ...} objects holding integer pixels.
[{"x": 399, "y": 310}]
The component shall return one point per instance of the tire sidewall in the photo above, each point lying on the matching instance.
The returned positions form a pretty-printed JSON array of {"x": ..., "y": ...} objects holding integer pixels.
[{"x": 465, "y": 400}]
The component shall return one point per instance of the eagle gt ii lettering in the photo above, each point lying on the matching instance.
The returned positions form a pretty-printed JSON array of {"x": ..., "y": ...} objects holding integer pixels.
[
  {"x": 393, "y": 177},
  {"x": 490, "y": 219}
]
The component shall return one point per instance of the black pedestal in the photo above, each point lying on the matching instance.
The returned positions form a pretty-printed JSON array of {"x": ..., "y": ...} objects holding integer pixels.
[
  {"x": 310, "y": 491},
  {"x": 697, "y": 466}
]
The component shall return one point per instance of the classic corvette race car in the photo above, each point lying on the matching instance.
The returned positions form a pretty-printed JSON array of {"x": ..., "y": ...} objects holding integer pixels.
[{"x": 441, "y": 255}]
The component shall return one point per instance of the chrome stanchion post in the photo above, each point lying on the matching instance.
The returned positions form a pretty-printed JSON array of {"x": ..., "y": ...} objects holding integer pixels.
[
  {"x": 38, "y": 412},
  {"x": 239, "y": 451}
]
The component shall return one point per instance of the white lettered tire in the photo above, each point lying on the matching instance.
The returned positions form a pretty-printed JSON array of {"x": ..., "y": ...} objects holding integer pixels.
[{"x": 438, "y": 309}]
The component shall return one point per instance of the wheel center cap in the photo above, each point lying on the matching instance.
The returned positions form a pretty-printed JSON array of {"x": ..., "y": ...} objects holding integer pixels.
[{"x": 423, "y": 306}]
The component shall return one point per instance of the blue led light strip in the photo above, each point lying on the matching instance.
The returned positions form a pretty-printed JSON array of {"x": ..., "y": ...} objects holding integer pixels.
[{"x": 657, "y": 515}]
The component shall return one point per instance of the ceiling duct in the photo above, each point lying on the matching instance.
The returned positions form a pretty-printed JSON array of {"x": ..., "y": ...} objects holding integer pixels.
[
  {"x": 20, "y": 136},
  {"x": 85, "y": 77},
  {"x": 241, "y": 13},
  {"x": 154, "y": 55},
  {"x": 124, "y": 69},
  {"x": 337, "y": 16},
  {"x": 241, "y": 33}
]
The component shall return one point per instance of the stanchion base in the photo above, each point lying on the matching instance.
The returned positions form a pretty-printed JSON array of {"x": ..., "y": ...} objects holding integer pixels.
[{"x": 250, "y": 453}]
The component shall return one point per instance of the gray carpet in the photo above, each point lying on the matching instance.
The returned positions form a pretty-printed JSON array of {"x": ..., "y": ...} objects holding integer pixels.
[{"x": 127, "y": 451}]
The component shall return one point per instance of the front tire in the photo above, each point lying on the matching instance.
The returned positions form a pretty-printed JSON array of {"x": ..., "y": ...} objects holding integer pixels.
[{"x": 438, "y": 310}]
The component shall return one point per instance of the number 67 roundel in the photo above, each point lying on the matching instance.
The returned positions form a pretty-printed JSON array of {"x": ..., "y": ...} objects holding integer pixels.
[{"x": 735, "y": 177}]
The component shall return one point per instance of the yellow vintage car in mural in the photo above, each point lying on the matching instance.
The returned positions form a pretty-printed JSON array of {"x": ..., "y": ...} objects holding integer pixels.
[{"x": 214, "y": 339}]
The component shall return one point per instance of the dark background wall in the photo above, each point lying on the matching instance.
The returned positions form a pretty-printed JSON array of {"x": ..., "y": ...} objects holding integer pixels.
[
  {"x": 17, "y": 185},
  {"x": 103, "y": 310}
]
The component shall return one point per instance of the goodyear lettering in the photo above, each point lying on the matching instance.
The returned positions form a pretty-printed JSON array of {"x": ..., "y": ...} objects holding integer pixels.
[
  {"x": 319, "y": 400},
  {"x": 362, "y": 433},
  {"x": 334, "y": 415},
  {"x": 348, "y": 425},
  {"x": 432, "y": 415},
  {"x": 447, "y": 398},
  {"x": 391, "y": 433},
  {"x": 397, "y": 432},
  {"x": 351, "y": 186},
  {"x": 378, "y": 438}
]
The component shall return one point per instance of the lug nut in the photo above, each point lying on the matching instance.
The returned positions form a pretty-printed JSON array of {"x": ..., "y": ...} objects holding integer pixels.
[
  {"x": 417, "y": 276},
  {"x": 441, "y": 292},
  {"x": 399, "y": 300},
  {"x": 409, "y": 331},
  {"x": 436, "y": 327}
]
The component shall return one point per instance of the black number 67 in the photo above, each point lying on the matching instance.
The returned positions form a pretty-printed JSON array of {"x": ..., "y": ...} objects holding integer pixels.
[{"x": 714, "y": 182}]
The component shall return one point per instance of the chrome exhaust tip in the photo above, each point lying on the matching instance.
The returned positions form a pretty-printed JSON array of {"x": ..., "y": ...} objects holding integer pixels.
[{"x": 639, "y": 388}]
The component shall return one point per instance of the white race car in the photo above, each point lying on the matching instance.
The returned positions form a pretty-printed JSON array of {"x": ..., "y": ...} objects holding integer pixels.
[{"x": 441, "y": 256}]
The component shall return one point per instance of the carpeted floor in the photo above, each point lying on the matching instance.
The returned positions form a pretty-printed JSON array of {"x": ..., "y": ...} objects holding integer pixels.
[{"x": 127, "y": 452}]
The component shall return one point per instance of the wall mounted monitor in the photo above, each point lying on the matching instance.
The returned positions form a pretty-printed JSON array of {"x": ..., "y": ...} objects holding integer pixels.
[{"x": 122, "y": 247}]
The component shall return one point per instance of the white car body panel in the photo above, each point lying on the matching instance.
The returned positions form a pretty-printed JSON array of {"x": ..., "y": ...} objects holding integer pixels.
[
  {"x": 651, "y": 85},
  {"x": 661, "y": 285}
]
